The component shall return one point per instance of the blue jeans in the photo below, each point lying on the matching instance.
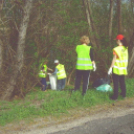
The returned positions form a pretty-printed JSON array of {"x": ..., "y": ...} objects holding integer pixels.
[
  {"x": 61, "y": 84},
  {"x": 44, "y": 84}
]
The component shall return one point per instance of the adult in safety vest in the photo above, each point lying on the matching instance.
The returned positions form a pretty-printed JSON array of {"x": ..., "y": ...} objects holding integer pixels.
[
  {"x": 61, "y": 75},
  {"x": 84, "y": 64},
  {"x": 118, "y": 67},
  {"x": 42, "y": 74}
]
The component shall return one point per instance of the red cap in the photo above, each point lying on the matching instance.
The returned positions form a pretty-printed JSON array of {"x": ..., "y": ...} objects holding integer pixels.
[{"x": 119, "y": 37}]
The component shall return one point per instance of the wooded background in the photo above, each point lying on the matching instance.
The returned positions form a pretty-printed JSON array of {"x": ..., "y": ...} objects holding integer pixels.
[{"x": 36, "y": 30}]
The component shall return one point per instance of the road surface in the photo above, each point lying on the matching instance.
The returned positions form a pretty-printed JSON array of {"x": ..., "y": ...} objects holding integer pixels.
[{"x": 112, "y": 121}]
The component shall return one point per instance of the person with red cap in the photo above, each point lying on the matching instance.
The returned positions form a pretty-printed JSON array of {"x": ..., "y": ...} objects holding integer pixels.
[{"x": 118, "y": 67}]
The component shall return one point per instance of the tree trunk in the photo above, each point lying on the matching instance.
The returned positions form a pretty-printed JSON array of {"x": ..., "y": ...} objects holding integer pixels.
[
  {"x": 131, "y": 60},
  {"x": 20, "y": 51},
  {"x": 1, "y": 44},
  {"x": 131, "y": 65},
  {"x": 132, "y": 6},
  {"x": 69, "y": 77},
  {"x": 1, "y": 54},
  {"x": 92, "y": 29},
  {"x": 110, "y": 21},
  {"x": 119, "y": 16}
]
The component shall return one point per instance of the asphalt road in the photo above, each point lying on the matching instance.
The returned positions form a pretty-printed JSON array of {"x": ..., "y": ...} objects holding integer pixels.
[
  {"x": 112, "y": 121},
  {"x": 118, "y": 125}
]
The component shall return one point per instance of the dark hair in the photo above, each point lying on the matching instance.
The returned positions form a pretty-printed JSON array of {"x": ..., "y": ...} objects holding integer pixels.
[{"x": 124, "y": 42}]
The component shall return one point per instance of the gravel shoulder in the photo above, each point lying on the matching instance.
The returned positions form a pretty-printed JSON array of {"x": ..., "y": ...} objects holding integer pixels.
[{"x": 75, "y": 118}]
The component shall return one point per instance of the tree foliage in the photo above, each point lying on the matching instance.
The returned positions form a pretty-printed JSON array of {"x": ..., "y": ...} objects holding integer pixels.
[{"x": 54, "y": 30}]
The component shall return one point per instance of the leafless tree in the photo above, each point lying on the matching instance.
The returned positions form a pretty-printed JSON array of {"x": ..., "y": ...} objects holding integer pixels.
[
  {"x": 119, "y": 16},
  {"x": 20, "y": 51},
  {"x": 92, "y": 28},
  {"x": 110, "y": 20}
]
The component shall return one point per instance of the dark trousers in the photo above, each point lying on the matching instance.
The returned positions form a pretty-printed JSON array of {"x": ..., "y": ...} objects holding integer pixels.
[
  {"x": 44, "y": 84},
  {"x": 61, "y": 84},
  {"x": 84, "y": 76},
  {"x": 119, "y": 80}
]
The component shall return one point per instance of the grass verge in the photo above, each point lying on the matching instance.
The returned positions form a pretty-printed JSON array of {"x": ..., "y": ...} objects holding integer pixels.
[{"x": 40, "y": 104}]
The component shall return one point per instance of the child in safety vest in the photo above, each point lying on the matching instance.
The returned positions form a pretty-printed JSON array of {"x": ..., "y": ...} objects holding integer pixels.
[{"x": 42, "y": 74}]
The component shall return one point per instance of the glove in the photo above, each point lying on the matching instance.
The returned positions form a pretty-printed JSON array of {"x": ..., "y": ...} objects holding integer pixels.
[
  {"x": 49, "y": 73},
  {"x": 94, "y": 67},
  {"x": 110, "y": 71}
]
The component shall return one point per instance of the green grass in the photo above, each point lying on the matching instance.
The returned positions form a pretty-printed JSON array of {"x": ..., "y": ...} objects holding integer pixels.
[{"x": 40, "y": 104}]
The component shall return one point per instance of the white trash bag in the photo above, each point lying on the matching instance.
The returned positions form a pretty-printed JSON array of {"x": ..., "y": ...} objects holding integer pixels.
[{"x": 53, "y": 82}]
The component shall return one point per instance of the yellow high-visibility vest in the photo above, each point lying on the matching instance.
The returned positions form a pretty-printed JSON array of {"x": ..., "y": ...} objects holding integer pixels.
[
  {"x": 41, "y": 73},
  {"x": 120, "y": 66},
  {"x": 61, "y": 74},
  {"x": 83, "y": 58}
]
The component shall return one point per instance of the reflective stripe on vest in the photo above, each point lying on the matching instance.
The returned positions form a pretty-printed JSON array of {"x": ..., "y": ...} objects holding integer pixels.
[
  {"x": 84, "y": 64},
  {"x": 61, "y": 74},
  {"x": 41, "y": 73},
  {"x": 122, "y": 61},
  {"x": 120, "y": 66},
  {"x": 83, "y": 58}
]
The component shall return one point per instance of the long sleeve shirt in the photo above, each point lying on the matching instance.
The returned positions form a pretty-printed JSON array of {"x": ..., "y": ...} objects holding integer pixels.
[{"x": 91, "y": 54}]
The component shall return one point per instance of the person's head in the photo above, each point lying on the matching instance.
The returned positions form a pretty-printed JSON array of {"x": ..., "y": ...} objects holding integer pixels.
[
  {"x": 121, "y": 40},
  {"x": 56, "y": 62},
  {"x": 45, "y": 62},
  {"x": 84, "y": 40}
]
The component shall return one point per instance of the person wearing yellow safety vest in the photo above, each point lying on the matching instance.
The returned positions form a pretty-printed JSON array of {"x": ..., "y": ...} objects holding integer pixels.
[
  {"x": 118, "y": 67},
  {"x": 85, "y": 63},
  {"x": 61, "y": 75},
  {"x": 42, "y": 74}
]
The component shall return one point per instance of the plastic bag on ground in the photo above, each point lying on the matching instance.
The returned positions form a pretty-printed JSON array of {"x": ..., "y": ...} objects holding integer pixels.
[
  {"x": 53, "y": 81},
  {"x": 101, "y": 81},
  {"x": 104, "y": 88}
]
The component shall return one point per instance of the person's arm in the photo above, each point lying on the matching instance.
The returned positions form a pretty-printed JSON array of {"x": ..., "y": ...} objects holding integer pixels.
[
  {"x": 49, "y": 69},
  {"x": 113, "y": 61},
  {"x": 55, "y": 72},
  {"x": 112, "y": 64},
  {"x": 92, "y": 56},
  {"x": 92, "y": 59}
]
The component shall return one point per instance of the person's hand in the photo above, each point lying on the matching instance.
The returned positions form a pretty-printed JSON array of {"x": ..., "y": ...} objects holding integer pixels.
[
  {"x": 49, "y": 73},
  {"x": 110, "y": 71},
  {"x": 94, "y": 67},
  {"x": 51, "y": 69}
]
